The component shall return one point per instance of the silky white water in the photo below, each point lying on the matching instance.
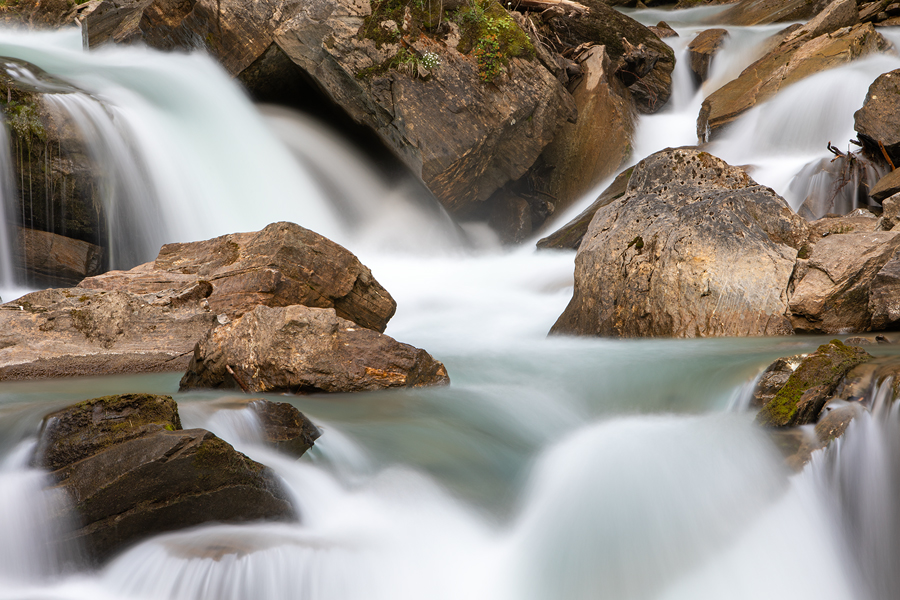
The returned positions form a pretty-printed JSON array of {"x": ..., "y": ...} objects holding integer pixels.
[{"x": 551, "y": 468}]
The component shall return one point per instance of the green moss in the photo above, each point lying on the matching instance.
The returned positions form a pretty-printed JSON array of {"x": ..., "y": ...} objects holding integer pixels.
[
  {"x": 825, "y": 367},
  {"x": 489, "y": 34},
  {"x": 637, "y": 242},
  {"x": 803, "y": 252},
  {"x": 25, "y": 120}
]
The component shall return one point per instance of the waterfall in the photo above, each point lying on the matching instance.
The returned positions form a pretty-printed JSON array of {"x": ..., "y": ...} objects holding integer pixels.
[{"x": 7, "y": 210}]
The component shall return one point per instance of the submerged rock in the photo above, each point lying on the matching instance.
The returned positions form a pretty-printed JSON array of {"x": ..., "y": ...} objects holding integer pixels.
[
  {"x": 284, "y": 427},
  {"x": 132, "y": 473},
  {"x": 280, "y": 265},
  {"x": 813, "y": 382},
  {"x": 306, "y": 350},
  {"x": 695, "y": 247},
  {"x": 798, "y": 56}
]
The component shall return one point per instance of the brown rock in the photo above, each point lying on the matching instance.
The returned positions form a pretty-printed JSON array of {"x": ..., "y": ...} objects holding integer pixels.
[
  {"x": 789, "y": 62},
  {"x": 588, "y": 151},
  {"x": 306, "y": 350},
  {"x": 774, "y": 378},
  {"x": 702, "y": 50},
  {"x": 569, "y": 236},
  {"x": 284, "y": 427},
  {"x": 801, "y": 399},
  {"x": 663, "y": 30},
  {"x": 887, "y": 186},
  {"x": 694, "y": 248},
  {"x": 891, "y": 212},
  {"x": 69, "y": 332},
  {"x": 642, "y": 61},
  {"x": 762, "y": 12},
  {"x": 84, "y": 429},
  {"x": 280, "y": 265},
  {"x": 884, "y": 295},
  {"x": 56, "y": 260},
  {"x": 833, "y": 295}
]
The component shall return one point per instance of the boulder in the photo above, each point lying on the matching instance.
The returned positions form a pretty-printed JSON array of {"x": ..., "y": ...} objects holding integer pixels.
[
  {"x": 280, "y": 265},
  {"x": 52, "y": 259},
  {"x": 804, "y": 394},
  {"x": 884, "y": 295},
  {"x": 661, "y": 29},
  {"x": 284, "y": 427},
  {"x": 702, "y": 49},
  {"x": 694, "y": 248},
  {"x": 876, "y": 122},
  {"x": 886, "y": 187},
  {"x": 84, "y": 429},
  {"x": 832, "y": 295},
  {"x": 773, "y": 379},
  {"x": 890, "y": 215},
  {"x": 569, "y": 236},
  {"x": 454, "y": 90},
  {"x": 641, "y": 60},
  {"x": 132, "y": 473},
  {"x": 588, "y": 151},
  {"x": 789, "y": 62},
  {"x": 72, "y": 331},
  {"x": 302, "y": 350}
]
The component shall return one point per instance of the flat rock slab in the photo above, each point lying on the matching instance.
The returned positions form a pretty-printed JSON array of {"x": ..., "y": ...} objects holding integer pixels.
[
  {"x": 694, "y": 248},
  {"x": 306, "y": 350},
  {"x": 74, "y": 331},
  {"x": 280, "y": 265}
]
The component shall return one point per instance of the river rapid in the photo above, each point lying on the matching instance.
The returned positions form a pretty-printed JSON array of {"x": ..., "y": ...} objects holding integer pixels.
[{"x": 551, "y": 468}]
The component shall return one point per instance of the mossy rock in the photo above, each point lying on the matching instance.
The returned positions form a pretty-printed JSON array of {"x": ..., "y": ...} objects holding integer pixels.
[
  {"x": 801, "y": 399},
  {"x": 84, "y": 429}
]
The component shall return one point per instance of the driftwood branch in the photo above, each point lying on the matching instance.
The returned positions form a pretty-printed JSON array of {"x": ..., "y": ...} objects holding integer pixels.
[
  {"x": 566, "y": 5},
  {"x": 886, "y": 157},
  {"x": 237, "y": 379}
]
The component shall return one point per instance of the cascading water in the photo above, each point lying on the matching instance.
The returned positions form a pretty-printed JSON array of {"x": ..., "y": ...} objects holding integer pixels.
[{"x": 551, "y": 469}]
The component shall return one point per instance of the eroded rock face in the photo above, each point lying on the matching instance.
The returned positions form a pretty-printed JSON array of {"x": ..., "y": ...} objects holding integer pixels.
[
  {"x": 795, "y": 58},
  {"x": 761, "y": 12},
  {"x": 306, "y": 350},
  {"x": 467, "y": 126},
  {"x": 588, "y": 151},
  {"x": 55, "y": 259},
  {"x": 694, "y": 248},
  {"x": 876, "y": 122},
  {"x": 73, "y": 331},
  {"x": 833, "y": 294},
  {"x": 280, "y": 265},
  {"x": 813, "y": 382},
  {"x": 132, "y": 473},
  {"x": 641, "y": 60}
]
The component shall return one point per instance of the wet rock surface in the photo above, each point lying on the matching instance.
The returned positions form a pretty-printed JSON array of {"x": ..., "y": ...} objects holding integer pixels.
[
  {"x": 702, "y": 50},
  {"x": 280, "y": 265},
  {"x": 876, "y": 122},
  {"x": 284, "y": 427},
  {"x": 813, "y": 382},
  {"x": 131, "y": 473},
  {"x": 694, "y": 248},
  {"x": 804, "y": 52},
  {"x": 301, "y": 350}
]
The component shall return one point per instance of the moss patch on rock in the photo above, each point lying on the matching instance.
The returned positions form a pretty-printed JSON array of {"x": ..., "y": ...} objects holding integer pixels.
[{"x": 807, "y": 389}]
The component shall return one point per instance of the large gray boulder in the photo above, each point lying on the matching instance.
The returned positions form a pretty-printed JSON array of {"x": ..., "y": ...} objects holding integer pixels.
[
  {"x": 301, "y": 350},
  {"x": 694, "y": 248},
  {"x": 131, "y": 472},
  {"x": 280, "y": 265}
]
